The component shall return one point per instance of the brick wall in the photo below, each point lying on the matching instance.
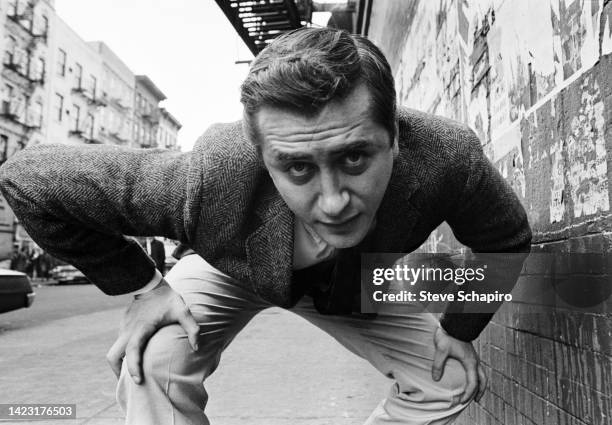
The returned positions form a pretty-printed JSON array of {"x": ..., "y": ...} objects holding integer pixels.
[{"x": 534, "y": 80}]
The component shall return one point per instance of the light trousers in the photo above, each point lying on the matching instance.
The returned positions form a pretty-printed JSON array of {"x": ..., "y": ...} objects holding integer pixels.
[{"x": 398, "y": 342}]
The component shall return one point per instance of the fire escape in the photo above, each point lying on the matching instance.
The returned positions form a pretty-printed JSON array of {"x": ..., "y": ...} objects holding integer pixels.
[
  {"x": 19, "y": 64},
  {"x": 258, "y": 22}
]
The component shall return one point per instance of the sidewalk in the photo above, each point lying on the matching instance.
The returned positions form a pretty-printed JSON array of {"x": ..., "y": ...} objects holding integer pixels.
[{"x": 279, "y": 371}]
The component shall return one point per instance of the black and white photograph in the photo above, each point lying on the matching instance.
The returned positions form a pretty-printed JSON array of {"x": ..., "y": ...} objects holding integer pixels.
[{"x": 306, "y": 212}]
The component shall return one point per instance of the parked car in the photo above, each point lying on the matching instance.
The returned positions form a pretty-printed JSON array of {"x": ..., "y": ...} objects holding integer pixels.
[
  {"x": 68, "y": 274},
  {"x": 15, "y": 290}
]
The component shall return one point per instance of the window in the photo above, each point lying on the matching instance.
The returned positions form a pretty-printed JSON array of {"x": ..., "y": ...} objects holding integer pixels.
[
  {"x": 38, "y": 111},
  {"x": 58, "y": 106},
  {"x": 9, "y": 91},
  {"x": 75, "y": 117},
  {"x": 44, "y": 26},
  {"x": 12, "y": 7},
  {"x": 20, "y": 60},
  {"x": 6, "y": 102},
  {"x": 9, "y": 53},
  {"x": 78, "y": 75},
  {"x": 93, "y": 82},
  {"x": 89, "y": 126},
  {"x": 61, "y": 63},
  {"x": 40, "y": 72},
  {"x": 138, "y": 101},
  {"x": 28, "y": 21}
]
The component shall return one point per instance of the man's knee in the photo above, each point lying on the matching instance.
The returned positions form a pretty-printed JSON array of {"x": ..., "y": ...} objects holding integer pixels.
[
  {"x": 417, "y": 384},
  {"x": 166, "y": 354}
]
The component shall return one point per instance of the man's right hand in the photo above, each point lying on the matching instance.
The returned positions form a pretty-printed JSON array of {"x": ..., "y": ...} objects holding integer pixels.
[{"x": 147, "y": 313}]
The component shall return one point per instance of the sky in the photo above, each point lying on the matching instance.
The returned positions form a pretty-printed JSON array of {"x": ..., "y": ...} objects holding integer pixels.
[{"x": 187, "y": 47}]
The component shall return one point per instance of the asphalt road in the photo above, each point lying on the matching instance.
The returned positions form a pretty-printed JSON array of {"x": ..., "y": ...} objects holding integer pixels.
[
  {"x": 55, "y": 302},
  {"x": 280, "y": 370}
]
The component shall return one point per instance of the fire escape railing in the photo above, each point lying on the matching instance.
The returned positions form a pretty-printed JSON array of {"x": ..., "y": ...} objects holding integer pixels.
[{"x": 258, "y": 22}]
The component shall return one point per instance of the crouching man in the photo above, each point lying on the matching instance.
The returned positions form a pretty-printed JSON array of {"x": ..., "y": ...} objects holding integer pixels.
[{"x": 277, "y": 207}]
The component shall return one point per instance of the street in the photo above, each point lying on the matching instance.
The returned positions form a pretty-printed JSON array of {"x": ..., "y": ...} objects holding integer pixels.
[{"x": 280, "y": 370}]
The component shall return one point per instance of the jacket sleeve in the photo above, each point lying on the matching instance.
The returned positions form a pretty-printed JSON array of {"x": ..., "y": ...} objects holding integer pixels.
[
  {"x": 77, "y": 202},
  {"x": 488, "y": 217}
]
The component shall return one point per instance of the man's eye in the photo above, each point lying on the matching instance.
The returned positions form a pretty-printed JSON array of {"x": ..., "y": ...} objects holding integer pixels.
[
  {"x": 354, "y": 159},
  {"x": 299, "y": 169}
]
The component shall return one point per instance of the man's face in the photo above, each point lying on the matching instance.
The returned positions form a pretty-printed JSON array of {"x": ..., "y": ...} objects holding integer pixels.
[{"x": 332, "y": 169}]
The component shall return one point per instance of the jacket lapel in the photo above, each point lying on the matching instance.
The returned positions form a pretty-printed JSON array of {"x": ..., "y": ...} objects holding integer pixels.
[
  {"x": 396, "y": 216},
  {"x": 270, "y": 250}
]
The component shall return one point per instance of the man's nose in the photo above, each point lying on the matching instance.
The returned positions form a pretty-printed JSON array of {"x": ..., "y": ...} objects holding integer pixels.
[{"x": 333, "y": 198}]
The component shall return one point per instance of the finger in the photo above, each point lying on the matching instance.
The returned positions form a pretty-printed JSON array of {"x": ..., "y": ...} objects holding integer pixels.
[
  {"x": 472, "y": 382},
  {"x": 439, "y": 360},
  {"x": 114, "y": 357},
  {"x": 134, "y": 349},
  {"x": 189, "y": 324},
  {"x": 482, "y": 382}
]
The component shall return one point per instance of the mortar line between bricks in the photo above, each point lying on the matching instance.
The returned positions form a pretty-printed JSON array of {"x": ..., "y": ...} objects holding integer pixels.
[
  {"x": 556, "y": 233},
  {"x": 605, "y": 355},
  {"x": 536, "y": 396},
  {"x": 521, "y": 385},
  {"x": 556, "y": 309}
]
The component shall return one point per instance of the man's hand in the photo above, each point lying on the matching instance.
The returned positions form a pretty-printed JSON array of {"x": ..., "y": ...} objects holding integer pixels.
[
  {"x": 147, "y": 313},
  {"x": 447, "y": 346}
]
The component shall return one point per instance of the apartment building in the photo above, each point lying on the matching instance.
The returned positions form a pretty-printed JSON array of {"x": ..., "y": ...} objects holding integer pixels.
[
  {"x": 118, "y": 88},
  {"x": 57, "y": 88},
  {"x": 167, "y": 131},
  {"x": 24, "y": 34},
  {"x": 146, "y": 112},
  {"x": 75, "y": 98}
]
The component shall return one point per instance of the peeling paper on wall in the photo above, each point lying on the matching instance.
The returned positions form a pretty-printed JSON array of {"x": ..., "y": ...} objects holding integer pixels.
[
  {"x": 586, "y": 150},
  {"x": 557, "y": 186},
  {"x": 578, "y": 23},
  {"x": 606, "y": 41},
  {"x": 416, "y": 80},
  {"x": 590, "y": 21},
  {"x": 510, "y": 139}
]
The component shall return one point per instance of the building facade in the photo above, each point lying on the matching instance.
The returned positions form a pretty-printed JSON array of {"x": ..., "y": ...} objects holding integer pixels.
[
  {"x": 57, "y": 88},
  {"x": 75, "y": 97},
  {"x": 118, "y": 88},
  {"x": 167, "y": 131},
  {"x": 24, "y": 33},
  {"x": 533, "y": 79},
  {"x": 146, "y": 112}
]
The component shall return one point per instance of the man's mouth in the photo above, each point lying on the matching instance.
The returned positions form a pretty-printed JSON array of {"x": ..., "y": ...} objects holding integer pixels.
[{"x": 340, "y": 223}]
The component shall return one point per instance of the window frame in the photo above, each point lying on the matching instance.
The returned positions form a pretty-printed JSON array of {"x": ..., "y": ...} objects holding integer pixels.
[
  {"x": 61, "y": 63},
  {"x": 58, "y": 97}
]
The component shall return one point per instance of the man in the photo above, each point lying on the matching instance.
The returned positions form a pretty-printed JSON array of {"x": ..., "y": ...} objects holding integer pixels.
[{"x": 278, "y": 207}]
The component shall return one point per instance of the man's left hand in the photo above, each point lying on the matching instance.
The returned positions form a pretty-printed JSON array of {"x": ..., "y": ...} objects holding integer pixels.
[{"x": 446, "y": 347}]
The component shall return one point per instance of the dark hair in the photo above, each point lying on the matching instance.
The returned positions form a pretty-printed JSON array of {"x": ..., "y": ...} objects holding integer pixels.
[{"x": 305, "y": 69}]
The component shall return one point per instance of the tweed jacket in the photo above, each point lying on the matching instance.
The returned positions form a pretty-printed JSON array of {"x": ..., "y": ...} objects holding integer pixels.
[{"x": 78, "y": 202}]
